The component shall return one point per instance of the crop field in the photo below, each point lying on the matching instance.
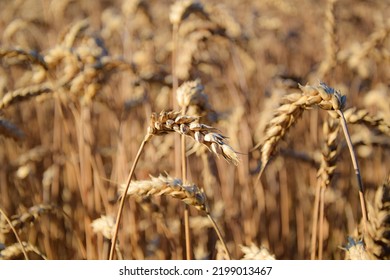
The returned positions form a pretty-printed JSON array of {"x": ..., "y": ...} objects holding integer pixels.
[{"x": 169, "y": 130}]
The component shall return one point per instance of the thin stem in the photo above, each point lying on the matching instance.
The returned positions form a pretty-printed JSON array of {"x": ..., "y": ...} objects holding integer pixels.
[
  {"x": 175, "y": 85},
  {"x": 219, "y": 236},
  {"x": 122, "y": 203},
  {"x": 315, "y": 223},
  {"x": 321, "y": 231},
  {"x": 356, "y": 167},
  {"x": 180, "y": 152},
  {"x": 187, "y": 232},
  {"x": 16, "y": 234},
  {"x": 175, "y": 80},
  {"x": 186, "y": 209}
]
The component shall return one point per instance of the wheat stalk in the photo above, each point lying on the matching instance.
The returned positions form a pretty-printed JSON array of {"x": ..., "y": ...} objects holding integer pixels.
[{"x": 324, "y": 174}]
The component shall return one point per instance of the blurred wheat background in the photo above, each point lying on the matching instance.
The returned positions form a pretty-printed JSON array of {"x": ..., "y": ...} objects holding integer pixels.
[{"x": 79, "y": 81}]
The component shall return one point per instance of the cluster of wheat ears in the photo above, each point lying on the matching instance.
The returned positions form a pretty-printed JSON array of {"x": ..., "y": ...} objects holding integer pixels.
[{"x": 202, "y": 107}]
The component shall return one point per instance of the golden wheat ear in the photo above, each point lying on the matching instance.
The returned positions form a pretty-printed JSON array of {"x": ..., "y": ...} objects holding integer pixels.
[
  {"x": 378, "y": 234},
  {"x": 14, "y": 251},
  {"x": 168, "y": 186},
  {"x": 356, "y": 250},
  {"x": 290, "y": 111},
  {"x": 253, "y": 252}
]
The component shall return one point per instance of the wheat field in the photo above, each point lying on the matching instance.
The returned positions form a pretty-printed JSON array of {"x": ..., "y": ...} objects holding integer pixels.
[{"x": 135, "y": 129}]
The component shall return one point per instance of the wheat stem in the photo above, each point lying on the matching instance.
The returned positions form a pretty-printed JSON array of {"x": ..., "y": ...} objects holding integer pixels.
[
  {"x": 219, "y": 235},
  {"x": 122, "y": 203},
  {"x": 321, "y": 224},
  {"x": 186, "y": 209},
  {"x": 356, "y": 167},
  {"x": 315, "y": 223}
]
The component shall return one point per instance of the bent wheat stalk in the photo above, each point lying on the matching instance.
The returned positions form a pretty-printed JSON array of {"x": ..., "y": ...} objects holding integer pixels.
[
  {"x": 122, "y": 203},
  {"x": 356, "y": 168}
]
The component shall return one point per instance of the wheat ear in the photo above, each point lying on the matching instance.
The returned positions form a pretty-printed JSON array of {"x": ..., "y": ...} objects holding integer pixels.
[
  {"x": 291, "y": 110},
  {"x": 362, "y": 116},
  {"x": 21, "y": 55},
  {"x": 167, "y": 122},
  {"x": 33, "y": 214},
  {"x": 377, "y": 239},
  {"x": 23, "y": 94},
  {"x": 329, "y": 62},
  {"x": 15, "y": 233},
  {"x": 253, "y": 252},
  {"x": 356, "y": 250},
  {"x": 16, "y": 249},
  {"x": 166, "y": 185}
]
